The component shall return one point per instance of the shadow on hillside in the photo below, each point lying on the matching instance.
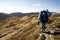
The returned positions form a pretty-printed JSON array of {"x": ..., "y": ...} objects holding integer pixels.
[{"x": 55, "y": 33}]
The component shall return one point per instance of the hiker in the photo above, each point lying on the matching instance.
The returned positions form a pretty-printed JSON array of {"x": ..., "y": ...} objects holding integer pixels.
[{"x": 43, "y": 17}]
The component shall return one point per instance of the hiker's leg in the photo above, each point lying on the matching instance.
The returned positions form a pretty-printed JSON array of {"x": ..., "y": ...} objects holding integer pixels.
[{"x": 43, "y": 27}]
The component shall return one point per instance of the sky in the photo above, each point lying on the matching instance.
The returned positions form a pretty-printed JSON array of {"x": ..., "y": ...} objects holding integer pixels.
[{"x": 9, "y": 6}]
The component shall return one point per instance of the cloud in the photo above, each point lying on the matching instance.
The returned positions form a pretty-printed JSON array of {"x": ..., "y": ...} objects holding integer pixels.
[
  {"x": 36, "y": 7},
  {"x": 37, "y": 4}
]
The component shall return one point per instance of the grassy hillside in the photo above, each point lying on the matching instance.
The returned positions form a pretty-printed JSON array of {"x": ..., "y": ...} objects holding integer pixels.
[{"x": 26, "y": 28}]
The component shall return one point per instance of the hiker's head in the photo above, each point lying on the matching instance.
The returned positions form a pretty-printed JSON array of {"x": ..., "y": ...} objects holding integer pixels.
[{"x": 43, "y": 10}]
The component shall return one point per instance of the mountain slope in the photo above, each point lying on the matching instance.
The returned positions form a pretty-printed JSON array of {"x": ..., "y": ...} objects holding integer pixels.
[{"x": 26, "y": 27}]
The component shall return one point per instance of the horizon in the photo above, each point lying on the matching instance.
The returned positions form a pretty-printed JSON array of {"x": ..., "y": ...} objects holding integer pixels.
[
  {"x": 25, "y": 12},
  {"x": 27, "y": 6}
]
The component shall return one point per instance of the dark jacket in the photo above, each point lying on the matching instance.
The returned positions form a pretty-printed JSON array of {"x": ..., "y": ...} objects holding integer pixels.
[{"x": 43, "y": 17}]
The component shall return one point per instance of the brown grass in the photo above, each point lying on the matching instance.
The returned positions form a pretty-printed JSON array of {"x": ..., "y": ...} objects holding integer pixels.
[{"x": 29, "y": 24}]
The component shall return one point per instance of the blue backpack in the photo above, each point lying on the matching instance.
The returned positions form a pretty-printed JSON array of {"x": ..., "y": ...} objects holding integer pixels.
[
  {"x": 43, "y": 16},
  {"x": 48, "y": 13}
]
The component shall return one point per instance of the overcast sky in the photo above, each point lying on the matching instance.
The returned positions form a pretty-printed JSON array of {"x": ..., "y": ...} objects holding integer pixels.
[{"x": 9, "y": 6}]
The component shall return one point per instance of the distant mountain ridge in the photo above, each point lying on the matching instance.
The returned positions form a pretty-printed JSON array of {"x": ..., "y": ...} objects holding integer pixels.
[
  {"x": 23, "y": 14},
  {"x": 4, "y": 15},
  {"x": 55, "y": 13}
]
